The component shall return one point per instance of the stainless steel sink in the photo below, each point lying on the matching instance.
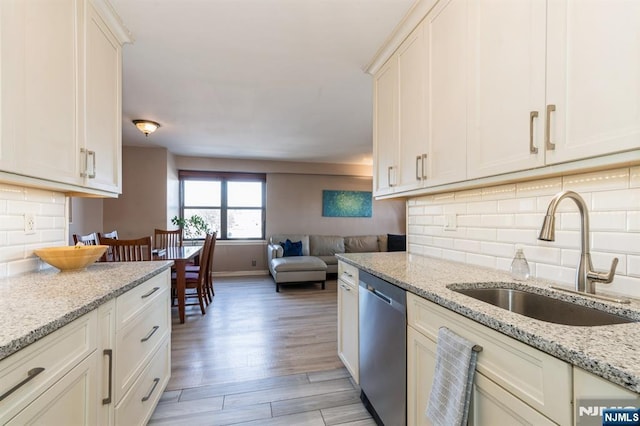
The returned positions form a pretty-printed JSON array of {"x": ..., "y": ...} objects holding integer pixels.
[{"x": 543, "y": 307}]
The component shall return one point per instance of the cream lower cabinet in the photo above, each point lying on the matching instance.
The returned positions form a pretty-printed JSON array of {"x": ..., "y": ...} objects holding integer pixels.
[
  {"x": 348, "y": 342},
  {"x": 54, "y": 378},
  {"x": 108, "y": 367},
  {"x": 514, "y": 384}
]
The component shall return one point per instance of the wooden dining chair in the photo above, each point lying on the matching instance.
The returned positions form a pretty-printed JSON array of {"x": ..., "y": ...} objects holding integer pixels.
[
  {"x": 108, "y": 255},
  {"x": 88, "y": 240},
  {"x": 209, "y": 282},
  {"x": 134, "y": 250},
  {"x": 197, "y": 281},
  {"x": 167, "y": 238}
]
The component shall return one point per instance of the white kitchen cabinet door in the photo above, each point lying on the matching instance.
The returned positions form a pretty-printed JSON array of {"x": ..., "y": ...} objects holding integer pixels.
[
  {"x": 103, "y": 129},
  {"x": 412, "y": 111},
  {"x": 593, "y": 69},
  {"x": 506, "y": 86},
  {"x": 447, "y": 61},
  {"x": 40, "y": 54},
  {"x": 421, "y": 365},
  {"x": 385, "y": 128},
  {"x": 492, "y": 405},
  {"x": 348, "y": 342},
  {"x": 70, "y": 401}
]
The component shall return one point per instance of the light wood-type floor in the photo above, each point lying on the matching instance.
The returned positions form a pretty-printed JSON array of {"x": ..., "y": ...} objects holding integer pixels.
[{"x": 260, "y": 358}]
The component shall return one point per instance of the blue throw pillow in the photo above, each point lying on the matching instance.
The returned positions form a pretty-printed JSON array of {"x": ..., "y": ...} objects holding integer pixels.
[
  {"x": 396, "y": 242},
  {"x": 292, "y": 248}
]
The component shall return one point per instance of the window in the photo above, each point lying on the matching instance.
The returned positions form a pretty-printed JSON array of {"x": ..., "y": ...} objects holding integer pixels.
[{"x": 233, "y": 204}]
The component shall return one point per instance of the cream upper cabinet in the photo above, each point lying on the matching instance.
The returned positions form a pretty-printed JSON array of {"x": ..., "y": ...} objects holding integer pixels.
[
  {"x": 593, "y": 77},
  {"x": 385, "y": 125},
  {"x": 40, "y": 57},
  {"x": 506, "y": 77},
  {"x": 413, "y": 144},
  {"x": 102, "y": 155},
  {"x": 60, "y": 106},
  {"x": 445, "y": 34}
]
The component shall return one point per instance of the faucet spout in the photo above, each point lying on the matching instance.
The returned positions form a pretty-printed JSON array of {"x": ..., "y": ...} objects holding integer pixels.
[{"x": 585, "y": 275}]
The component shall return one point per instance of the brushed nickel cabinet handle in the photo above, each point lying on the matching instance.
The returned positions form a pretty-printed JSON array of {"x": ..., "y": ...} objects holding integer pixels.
[
  {"x": 418, "y": 175},
  {"x": 93, "y": 169},
  {"x": 424, "y": 168},
  {"x": 84, "y": 172},
  {"x": 31, "y": 374},
  {"x": 389, "y": 176},
  {"x": 153, "y": 330},
  {"x": 549, "y": 145},
  {"x": 109, "y": 353},
  {"x": 144, "y": 296},
  {"x": 155, "y": 383},
  {"x": 532, "y": 148}
]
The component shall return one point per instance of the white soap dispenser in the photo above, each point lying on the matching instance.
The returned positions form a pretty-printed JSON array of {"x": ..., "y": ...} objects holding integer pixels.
[{"x": 519, "y": 265}]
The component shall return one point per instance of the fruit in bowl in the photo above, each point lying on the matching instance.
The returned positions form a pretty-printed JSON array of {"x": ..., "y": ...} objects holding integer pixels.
[{"x": 70, "y": 258}]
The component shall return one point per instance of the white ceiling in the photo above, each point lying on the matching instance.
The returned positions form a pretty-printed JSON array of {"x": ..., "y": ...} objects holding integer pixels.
[{"x": 258, "y": 79}]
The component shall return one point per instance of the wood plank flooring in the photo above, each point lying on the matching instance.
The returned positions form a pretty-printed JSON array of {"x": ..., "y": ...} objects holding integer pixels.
[{"x": 260, "y": 358}]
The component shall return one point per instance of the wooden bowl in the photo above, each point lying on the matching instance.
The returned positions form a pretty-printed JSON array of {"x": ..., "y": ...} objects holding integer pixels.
[{"x": 70, "y": 258}]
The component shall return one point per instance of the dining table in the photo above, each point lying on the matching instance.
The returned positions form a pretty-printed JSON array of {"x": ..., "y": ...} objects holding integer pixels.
[{"x": 181, "y": 255}]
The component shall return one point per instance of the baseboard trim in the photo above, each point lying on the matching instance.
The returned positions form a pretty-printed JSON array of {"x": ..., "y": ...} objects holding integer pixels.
[{"x": 241, "y": 273}]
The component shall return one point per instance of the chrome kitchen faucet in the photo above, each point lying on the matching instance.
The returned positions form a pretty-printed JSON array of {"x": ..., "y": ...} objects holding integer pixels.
[{"x": 586, "y": 277}]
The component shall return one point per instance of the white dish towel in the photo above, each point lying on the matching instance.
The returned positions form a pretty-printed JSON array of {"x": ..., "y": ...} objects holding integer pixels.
[{"x": 452, "y": 382}]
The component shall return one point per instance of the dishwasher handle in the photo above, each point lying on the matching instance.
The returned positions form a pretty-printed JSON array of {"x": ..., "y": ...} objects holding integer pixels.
[{"x": 379, "y": 294}]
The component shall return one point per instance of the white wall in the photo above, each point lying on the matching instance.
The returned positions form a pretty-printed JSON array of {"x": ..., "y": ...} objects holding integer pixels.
[
  {"x": 491, "y": 221},
  {"x": 16, "y": 248},
  {"x": 85, "y": 216}
]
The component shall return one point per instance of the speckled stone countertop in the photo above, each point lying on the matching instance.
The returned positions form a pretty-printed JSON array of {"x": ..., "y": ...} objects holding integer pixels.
[
  {"x": 36, "y": 304},
  {"x": 611, "y": 352}
]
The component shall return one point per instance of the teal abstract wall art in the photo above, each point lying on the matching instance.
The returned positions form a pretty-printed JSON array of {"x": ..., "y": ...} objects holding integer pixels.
[{"x": 346, "y": 203}]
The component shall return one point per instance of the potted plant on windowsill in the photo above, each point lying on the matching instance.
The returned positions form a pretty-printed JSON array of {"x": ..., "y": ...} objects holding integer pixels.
[{"x": 192, "y": 227}]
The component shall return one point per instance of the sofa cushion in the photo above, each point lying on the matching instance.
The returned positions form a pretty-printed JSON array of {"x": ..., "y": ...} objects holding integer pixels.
[
  {"x": 298, "y": 263},
  {"x": 329, "y": 260},
  {"x": 292, "y": 248},
  {"x": 396, "y": 242},
  {"x": 281, "y": 238},
  {"x": 382, "y": 242},
  {"x": 325, "y": 245},
  {"x": 362, "y": 244}
]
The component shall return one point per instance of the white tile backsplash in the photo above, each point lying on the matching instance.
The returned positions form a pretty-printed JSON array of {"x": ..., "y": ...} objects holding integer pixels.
[
  {"x": 16, "y": 247},
  {"x": 493, "y": 220}
]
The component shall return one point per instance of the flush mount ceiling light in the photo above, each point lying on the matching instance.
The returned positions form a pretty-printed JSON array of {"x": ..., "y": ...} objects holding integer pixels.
[{"x": 146, "y": 126}]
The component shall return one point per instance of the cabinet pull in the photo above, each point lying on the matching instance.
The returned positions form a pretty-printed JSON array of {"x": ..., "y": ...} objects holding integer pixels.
[
  {"x": 424, "y": 160},
  {"x": 389, "y": 176},
  {"x": 31, "y": 374},
  {"x": 418, "y": 175},
  {"x": 85, "y": 173},
  {"x": 153, "y": 330},
  {"x": 144, "y": 296},
  {"x": 109, "y": 353},
  {"x": 532, "y": 148},
  {"x": 155, "y": 383},
  {"x": 547, "y": 132}
]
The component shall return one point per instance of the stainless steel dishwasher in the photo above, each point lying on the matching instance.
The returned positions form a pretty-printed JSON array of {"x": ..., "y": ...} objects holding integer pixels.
[{"x": 383, "y": 350}]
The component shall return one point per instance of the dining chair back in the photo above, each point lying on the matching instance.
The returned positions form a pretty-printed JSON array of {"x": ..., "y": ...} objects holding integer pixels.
[
  {"x": 163, "y": 238},
  {"x": 88, "y": 240},
  {"x": 209, "y": 279},
  {"x": 198, "y": 281},
  {"x": 133, "y": 250},
  {"x": 113, "y": 234}
]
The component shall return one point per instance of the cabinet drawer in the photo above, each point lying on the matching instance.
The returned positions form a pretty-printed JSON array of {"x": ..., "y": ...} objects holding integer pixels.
[
  {"x": 56, "y": 354},
  {"x": 137, "y": 341},
  {"x": 136, "y": 300},
  {"x": 138, "y": 404},
  {"x": 348, "y": 273},
  {"x": 540, "y": 380}
]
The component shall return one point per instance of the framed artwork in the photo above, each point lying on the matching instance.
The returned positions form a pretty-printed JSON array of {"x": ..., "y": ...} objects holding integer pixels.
[{"x": 346, "y": 203}]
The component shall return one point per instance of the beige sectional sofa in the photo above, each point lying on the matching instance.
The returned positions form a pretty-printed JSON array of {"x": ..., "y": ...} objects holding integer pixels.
[{"x": 318, "y": 255}]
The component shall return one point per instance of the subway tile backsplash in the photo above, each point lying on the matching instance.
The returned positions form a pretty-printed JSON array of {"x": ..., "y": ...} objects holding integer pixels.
[
  {"x": 492, "y": 221},
  {"x": 16, "y": 247}
]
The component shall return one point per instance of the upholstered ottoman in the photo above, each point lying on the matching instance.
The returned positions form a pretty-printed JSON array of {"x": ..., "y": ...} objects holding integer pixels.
[{"x": 296, "y": 269}]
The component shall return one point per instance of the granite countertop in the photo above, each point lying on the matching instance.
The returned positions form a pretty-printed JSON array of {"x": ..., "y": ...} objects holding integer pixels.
[
  {"x": 38, "y": 303},
  {"x": 611, "y": 352}
]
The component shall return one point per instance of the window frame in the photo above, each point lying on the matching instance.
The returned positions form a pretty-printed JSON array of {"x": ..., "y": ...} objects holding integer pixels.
[{"x": 224, "y": 178}]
